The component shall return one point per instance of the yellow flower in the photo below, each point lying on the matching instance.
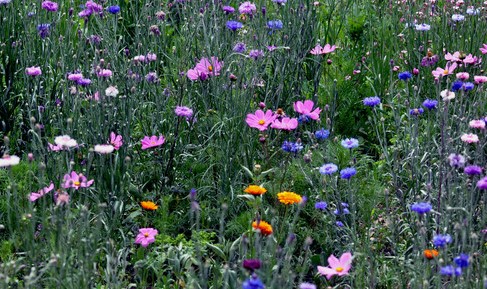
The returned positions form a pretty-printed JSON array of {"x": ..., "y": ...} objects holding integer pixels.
[
  {"x": 289, "y": 198},
  {"x": 264, "y": 227},
  {"x": 255, "y": 190},
  {"x": 148, "y": 205}
]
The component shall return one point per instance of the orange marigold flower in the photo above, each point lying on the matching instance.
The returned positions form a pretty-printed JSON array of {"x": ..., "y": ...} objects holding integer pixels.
[
  {"x": 148, "y": 205},
  {"x": 289, "y": 198},
  {"x": 255, "y": 190},
  {"x": 264, "y": 227},
  {"x": 430, "y": 254}
]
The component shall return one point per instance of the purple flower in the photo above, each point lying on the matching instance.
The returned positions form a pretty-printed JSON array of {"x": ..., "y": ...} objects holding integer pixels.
[
  {"x": 468, "y": 86},
  {"x": 252, "y": 264},
  {"x": 239, "y": 47},
  {"x": 371, "y": 101},
  {"x": 456, "y": 85},
  {"x": 255, "y": 54},
  {"x": 328, "y": 169},
  {"x": 247, "y": 8},
  {"x": 349, "y": 143},
  {"x": 253, "y": 283},
  {"x": 416, "y": 111},
  {"x": 228, "y": 9},
  {"x": 84, "y": 82},
  {"x": 456, "y": 160},
  {"x": 406, "y": 75},
  {"x": 234, "y": 25},
  {"x": 348, "y": 173},
  {"x": 421, "y": 208},
  {"x": 441, "y": 241},
  {"x": 462, "y": 260},
  {"x": 183, "y": 111},
  {"x": 274, "y": 24},
  {"x": 113, "y": 9},
  {"x": 151, "y": 77},
  {"x": 322, "y": 134},
  {"x": 280, "y": 2},
  {"x": 472, "y": 170},
  {"x": 43, "y": 30},
  {"x": 339, "y": 224},
  {"x": 291, "y": 147},
  {"x": 306, "y": 285},
  {"x": 321, "y": 206},
  {"x": 49, "y": 6},
  {"x": 430, "y": 104},
  {"x": 482, "y": 183}
]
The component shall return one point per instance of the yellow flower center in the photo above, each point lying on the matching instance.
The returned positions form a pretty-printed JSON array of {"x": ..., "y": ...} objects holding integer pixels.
[
  {"x": 261, "y": 122},
  {"x": 146, "y": 235},
  {"x": 339, "y": 269},
  {"x": 77, "y": 183},
  {"x": 445, "y": 72},
  {"x": 210, "y": 68},
  {"x": 152, "y": 142}
]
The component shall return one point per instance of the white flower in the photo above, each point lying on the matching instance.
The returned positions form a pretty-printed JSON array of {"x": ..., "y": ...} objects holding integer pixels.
[
  {"x": 422, "y": 27},
  {"x": 457, "y": 17},
  {"x": 104, "y": 148},
  {"x": 65, "y": 141},
  {"x": 111, "y": 91},
  {"x": 447, "y": 95},
  {"x": 8, "y": 161}
]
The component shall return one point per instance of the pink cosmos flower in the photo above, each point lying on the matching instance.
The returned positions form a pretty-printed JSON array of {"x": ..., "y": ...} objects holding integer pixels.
[
  {"x": 318, "y": 50},
  {"x": 36, "y": 195},
  {"x": 153, "y": 141},
  {"x": 470, "y": 59},
  {"x": 54, "y": 148},
  {"x": 115, "y": 140},
  {"x": 306, "y": 109},
  {"x": 260, "y": 120},
  {"x": 463, "y": 75},
  {"x": 146, "y": 236},
  {"x": 483, "y": 49},
  {"x": 453, "y": 57},
  {"x": 75, "y": 180},
  {"x": 469, "y": 138},
  {"x": 336, "y": 266},
  {"x": 285, "y": 123},
  {"x": 440, "y": 72},
  {"x": 205, "y": 68},
  {"x": 477, "y": 123},
  {"x": 478, "y": 79},
  {"x": 33, "y": 71}
]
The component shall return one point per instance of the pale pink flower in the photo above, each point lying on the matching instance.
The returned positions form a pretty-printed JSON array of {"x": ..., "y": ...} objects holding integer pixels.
[
  {"x": 104, "y": 149},
  {"x": 328, "y": 49},
  {"x": 106, "y": 73},
  {"x": 260, "y": 120},
  {"x": 306, "y": 108},
  {"x": 8, "y": 161},
  {"x": 440, "y": 72},
  {"x": 478, "y": 79},
  {"x": 316, "y": 50},
  {"x": 477, "y": 123},
  {"x": 115, "y": 140},
  {"x": 469, "y": 138},
  {"x": 65, "y": 141},
  {"x": 54, "y": 148},
  {"x": 61, "y": 198},
  {"x": 75, "y": 180},
  {"x": 33, "y": 71},
  {"x": 285, "y": 123},
  {"x": 153, "y": 141},
  {"x": 36, "y": 195},
  {"x": 453, "y": 57},
  {"x": 463, "y": 75},
  {"x": 75, "y": 76},
  {"x": 483, "y": 49},
  {"x": 247, "y": 8},
  {"x": 139, "y": 58},
  {"x": 470, "y": 59},
  {"x": 447, "y": 95},
  {"x": 146, "y": 236},
  {"x": 151, "y": 57},
  {"x": 337, "y": 266}
]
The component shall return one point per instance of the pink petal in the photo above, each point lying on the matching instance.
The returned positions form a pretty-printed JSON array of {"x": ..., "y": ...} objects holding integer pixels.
[
  {"x": 346, "y": 258},
  {"x": 333, "y": 261},
  {"x": 326, "y": 271},
  {"x": 193, "y": 74}
]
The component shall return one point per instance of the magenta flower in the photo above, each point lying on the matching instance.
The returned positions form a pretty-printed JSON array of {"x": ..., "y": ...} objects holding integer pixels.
[
  {"x": 116, "y": 140},
  {"x": 36, "y": 195},
  {"x": 75, "y": 76},
  {"x": 318, "y": 50},
  {"x": 337, "y": 267},
  {"x": 306, "y": 109},
  {"x": 205, "y": 68},
  {"x": 479, "y": 79},
  {"x": 153, "y": 141},
  {"x": 75, "y": 180},
  {"x": 247, "y": 8},
  {"x": 49, "y": 6},
  {"x": 285, "y": 123},
  {"x": 260, "y": 120},
  {"x": 33, "y": 71},
  {"x": 146, "y": 236},
  {"x": 483, "y": 49},
  {"x": 106, "y": 73},
  {"x": 183, "y": 111}
]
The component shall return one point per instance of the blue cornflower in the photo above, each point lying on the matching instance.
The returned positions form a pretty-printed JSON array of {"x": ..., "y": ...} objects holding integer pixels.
[
  {"x": 339, "y": 224},
  {"x": 282, "y": 2},
  {"x": 350, "y": 143},
  {"x": 456, "y": 85},
  {"x": 328, "y": 169},
  {"x": 253, "y": 283},
  {"x": 430, "y": 104},
  {"x": 322, "y": 134},
  {"x": 114, "y": 9},
  {"x": 43, "y": 29},
  {"x": 348, "y": 173},
  {"x": 416, "y": 111},
  {"x": 228, "y": 9},
  {"x": 274, "y": 24},
  {"x": 240, "y": 47},
  {"x": 450, "y": 271},
  {"x": 371, "y": 101},
  {"x": 84, "y": 82},
  {"x": 405, "y": 75},
  {"x": 462, "y": 260},
  {"x": 421, "y": 208},
  {"x": 441, "y": 241},
  {"x": 291, "y": 147},
  {"x": 468, "y": 86},
  {"x": 234, "y": 25},
  {"x": 321, "y": 206},
  {"x": 5, "y": 2}
]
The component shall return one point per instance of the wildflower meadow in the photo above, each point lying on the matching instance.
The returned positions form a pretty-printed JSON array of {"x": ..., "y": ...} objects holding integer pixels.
[{"x": 272, "y": 144}]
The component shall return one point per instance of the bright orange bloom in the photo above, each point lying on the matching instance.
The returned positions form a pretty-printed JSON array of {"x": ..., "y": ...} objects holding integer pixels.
[
  {"x": 148, "y": 205},
  {"x": 430, "y": 254},
  {"x": 264, "y": 227},
  {"x": 255, "y": 190},
  {"x": 289, "y": 198}
]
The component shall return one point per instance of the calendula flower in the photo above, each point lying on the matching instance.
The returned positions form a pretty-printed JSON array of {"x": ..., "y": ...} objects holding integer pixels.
[
  {"x": 148, "y": 205},
  {"x": 430, "y": 253},
  {"x": 289, "y": 198},
  {"x": 255, "y": 190},
  {"x": 264, "y": 227}
]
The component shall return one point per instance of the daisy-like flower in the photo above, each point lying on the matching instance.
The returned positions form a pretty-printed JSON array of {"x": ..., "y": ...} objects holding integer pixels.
[
  {"x": 153, "y": 141},
  {"x": 8, "y": 161},
  {"x": 36, "y": 195},
  {"x": 264, "y": 227},
  {"x": 285, "y": 123},
  {"x": 289, "y": 198},
  {"x": 337, "y": 266},
  {"x": 76, "y": 181},
  {"x": 470, "y": 138},
  {"x": 306, "y": 108},
  {"x": 146, "y": 236},
  {"x": 205, "y": 68},
  {"x": 65, "y": 141},
  {"x": 148, "y": 205},
  {"x": 440, "y": 72},
  {"x": 255, "y": 190},
  {"x": 104, "y": 148},
  {"x": 260, "y": 120},
  {"x": 115, "y": 140},
  {"x": 318, "y": 50}
]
